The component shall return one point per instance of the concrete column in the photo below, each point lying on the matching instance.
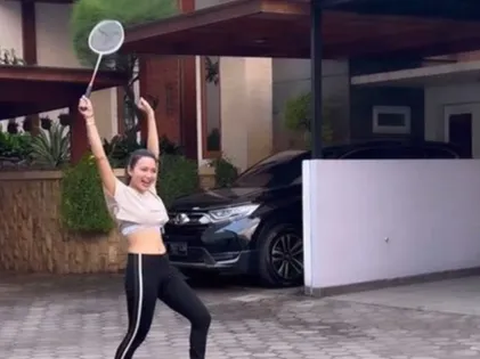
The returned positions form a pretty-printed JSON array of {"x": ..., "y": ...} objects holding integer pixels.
[
  {"x": 246, "y": 109},
  {"x": 105, "y": 103}
]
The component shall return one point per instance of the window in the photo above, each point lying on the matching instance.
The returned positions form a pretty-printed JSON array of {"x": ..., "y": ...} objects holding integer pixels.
[
  {"x": 211, "y": 115},
  {"x": 436, "y": 153},
  {"x": 391, "y": 119},
  {"x": 385, "y": 153},
  {"x": 278, "y": 170}
]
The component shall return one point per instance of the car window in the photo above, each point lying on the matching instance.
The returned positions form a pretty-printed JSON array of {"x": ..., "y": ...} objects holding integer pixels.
[
  {"x": 402, "y": 152},
  {"x": 275, "y": 171}
]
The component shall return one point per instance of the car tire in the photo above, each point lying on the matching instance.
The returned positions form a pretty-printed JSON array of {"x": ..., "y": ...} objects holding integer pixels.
[{"x": 277, "y": 258}]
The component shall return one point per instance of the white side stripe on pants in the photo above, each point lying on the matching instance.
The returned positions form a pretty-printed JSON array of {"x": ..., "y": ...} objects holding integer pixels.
[{"x": 139, "y": 306}]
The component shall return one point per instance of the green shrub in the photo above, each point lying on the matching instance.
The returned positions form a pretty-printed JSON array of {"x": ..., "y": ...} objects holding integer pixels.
[
  {"x": 120, "y": 147},
  {"x": 225, "y": 172},
  {"x": 214, "y": 140},
  {"x": 51, "y": 147},
  {"x": 118, "y": 150},
  {"x": 298, "y": 116},
  {"x": 178, "y": 177},
  {"x": 83, "y": 207},
  {"x": 18, "y": 146}
]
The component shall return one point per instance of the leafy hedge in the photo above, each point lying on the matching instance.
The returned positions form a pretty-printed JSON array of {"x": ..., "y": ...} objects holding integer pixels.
[
  {"x": 225, "y": 172},
  {"x": 15, "y": 146},
  {"x": 178, "y": 177},
  {"x": 83, "y": 207}
]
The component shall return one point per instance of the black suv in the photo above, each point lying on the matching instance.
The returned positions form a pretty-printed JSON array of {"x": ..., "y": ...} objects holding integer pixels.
[{"x": 254, "y": 227}]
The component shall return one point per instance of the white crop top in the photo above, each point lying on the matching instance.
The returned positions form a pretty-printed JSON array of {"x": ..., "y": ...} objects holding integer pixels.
[{"x": 133, "y": 210}]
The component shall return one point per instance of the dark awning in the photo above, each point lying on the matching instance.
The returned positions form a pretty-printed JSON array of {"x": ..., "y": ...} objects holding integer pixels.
[
  {"x": 26, "y": 90},
  {"x": 440, "y": 9},
  {"x": 281, "y": 28}
]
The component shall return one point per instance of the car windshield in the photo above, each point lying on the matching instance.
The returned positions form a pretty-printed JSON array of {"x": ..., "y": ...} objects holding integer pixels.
[{"x": 279, "y": 170}]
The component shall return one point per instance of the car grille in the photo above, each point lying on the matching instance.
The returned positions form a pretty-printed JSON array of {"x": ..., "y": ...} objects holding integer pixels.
[
  {"x": 191, "y": 227},
  {"x": 194, "y": 217}
]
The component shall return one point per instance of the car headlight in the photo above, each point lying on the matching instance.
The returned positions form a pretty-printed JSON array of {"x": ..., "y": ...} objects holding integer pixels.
[{"x": 228, "y": 214}]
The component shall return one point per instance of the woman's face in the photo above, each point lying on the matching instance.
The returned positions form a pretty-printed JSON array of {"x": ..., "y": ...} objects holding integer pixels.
[{"x": 143, "y": 174}]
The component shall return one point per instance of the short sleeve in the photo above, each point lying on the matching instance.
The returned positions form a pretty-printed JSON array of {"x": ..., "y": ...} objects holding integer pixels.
[{"x": 119, "y": 194}]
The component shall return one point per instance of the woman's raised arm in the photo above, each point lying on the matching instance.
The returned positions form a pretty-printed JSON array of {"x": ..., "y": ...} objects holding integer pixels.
[
  {"x": 106, "y": 173},
  {"x": 152, "y": 137}
]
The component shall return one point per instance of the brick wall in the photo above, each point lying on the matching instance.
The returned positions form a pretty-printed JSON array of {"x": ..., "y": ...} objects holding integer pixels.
[{"x": 159, "y": 78}]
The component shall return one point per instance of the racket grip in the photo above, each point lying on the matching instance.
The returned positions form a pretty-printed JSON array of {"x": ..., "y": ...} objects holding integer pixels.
[{"x": 89, "y": 91}]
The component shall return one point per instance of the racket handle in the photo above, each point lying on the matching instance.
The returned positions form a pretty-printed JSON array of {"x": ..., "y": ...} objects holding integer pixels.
[{"x": 89, "y": 91}]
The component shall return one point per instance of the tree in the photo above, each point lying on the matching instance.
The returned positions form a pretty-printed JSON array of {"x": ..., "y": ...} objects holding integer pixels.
[{"x": 87, "y": 13}]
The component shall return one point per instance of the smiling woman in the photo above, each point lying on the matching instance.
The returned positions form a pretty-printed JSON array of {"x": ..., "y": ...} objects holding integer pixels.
[
  {"x": 142, "y": 169},
  {"x": 141, "y": 216}
]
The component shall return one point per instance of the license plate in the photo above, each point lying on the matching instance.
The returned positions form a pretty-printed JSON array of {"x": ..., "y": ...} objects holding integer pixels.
[{"x": 178, "y": 249}]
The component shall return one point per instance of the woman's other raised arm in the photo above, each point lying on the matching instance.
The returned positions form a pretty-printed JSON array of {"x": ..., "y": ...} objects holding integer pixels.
[{"x": 152, "y": 137}]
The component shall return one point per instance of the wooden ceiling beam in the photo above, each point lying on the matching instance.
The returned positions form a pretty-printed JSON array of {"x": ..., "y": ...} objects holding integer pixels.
[
  {"x": 60, "y": 75},
  {"x": 26, "y": 90}
]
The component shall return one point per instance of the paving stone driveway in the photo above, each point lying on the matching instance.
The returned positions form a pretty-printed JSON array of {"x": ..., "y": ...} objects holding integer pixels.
[{"x": 83, "y": 317}]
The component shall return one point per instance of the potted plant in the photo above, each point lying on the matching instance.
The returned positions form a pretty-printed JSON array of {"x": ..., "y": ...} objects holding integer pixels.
[
  {"x": 64, "y": 119},
  {"x": 27, "y": 124},
  {"x": 45, "y": 123},
  {"x": 12, "y": 127},
  {"x": 298, "y": 117}
]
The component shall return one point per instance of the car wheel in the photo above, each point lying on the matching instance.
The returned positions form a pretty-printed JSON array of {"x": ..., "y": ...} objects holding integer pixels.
[{"x": 281, "y": 256}]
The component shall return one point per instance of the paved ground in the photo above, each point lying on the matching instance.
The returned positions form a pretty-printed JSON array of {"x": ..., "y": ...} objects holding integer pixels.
[{"x": 83, "y": 318}]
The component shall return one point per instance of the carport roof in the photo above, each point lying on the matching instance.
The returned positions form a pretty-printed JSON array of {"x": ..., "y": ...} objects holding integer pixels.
[
  {"x": 281, "y": 28},
  {"x": 26, "y": 90},
  {"x": 437, "y": 75}
]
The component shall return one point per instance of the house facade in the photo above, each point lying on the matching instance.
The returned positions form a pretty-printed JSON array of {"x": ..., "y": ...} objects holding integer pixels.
[
  {"x": 241, "y": 103},
  {"x": 448, "y": 92},
  {"x": 235, "y": 106},
  {"x": 38, "y": 33},
  {"x": 434, "y": 99}
]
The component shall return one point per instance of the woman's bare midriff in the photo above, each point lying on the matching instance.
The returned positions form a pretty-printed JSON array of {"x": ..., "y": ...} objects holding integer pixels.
[{"x": 146, "y": 241}]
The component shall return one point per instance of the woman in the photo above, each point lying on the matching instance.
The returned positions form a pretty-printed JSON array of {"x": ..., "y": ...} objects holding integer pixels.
[{"x": 140, "y": 215}]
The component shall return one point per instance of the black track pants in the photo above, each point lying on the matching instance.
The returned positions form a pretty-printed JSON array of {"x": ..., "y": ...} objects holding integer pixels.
[{"x": 148, "y": 278}]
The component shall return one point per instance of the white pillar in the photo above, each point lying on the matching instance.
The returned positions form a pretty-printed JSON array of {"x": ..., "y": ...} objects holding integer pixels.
[{"x": 246, "y": 109}]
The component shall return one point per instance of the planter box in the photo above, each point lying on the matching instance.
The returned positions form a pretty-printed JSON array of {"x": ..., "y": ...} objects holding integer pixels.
[
  {"x": 206, "y": 177},
  {"x": 32, "y": 238}
]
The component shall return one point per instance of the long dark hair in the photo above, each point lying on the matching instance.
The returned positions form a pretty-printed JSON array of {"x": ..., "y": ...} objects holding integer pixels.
[{"x": 135, "y": 156}]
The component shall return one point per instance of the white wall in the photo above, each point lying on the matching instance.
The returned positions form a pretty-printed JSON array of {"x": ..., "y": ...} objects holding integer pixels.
[
  {"x": 10, "y": 32},
  {"x": 54, "y": 40},
  {"x": 11, "y": 27},
  {"x": 428, "y": 209}
]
